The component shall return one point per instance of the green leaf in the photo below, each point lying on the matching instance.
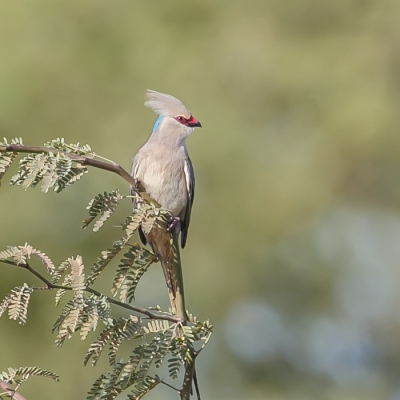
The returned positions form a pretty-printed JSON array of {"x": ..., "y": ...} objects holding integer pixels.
[
  {"x": 102, "y": 207},
  {"x": 147, "y": 384},
  {"x": 77, "y": 277},
  {"x": 90, "y": 319},
  {"x": 125, "y": 329},
  {"x": 157, "y": 325},
  {"x": 131, "y": 268},
  {"x": 174, "y": 367},
  {"x": 133, "y": 222},
  {"x": 68, "y": 322},
  {"x": 77, "y": 149},
  {"x": 18, "y": 303},
  {"x": 7, "y": 158},
  {"x": 97, "y": 347},
  {"x": 66, "y": 173},
  {"x": 60, "y": 271},
  {"x": 22, "y": 374},
  {"x": 20, "y": 255},
  {"x": 53, "y": 170},
  {"x": 103, "y": 260}
]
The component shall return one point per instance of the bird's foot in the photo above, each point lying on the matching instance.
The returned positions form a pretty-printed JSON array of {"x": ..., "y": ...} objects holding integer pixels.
[
  {"x": 171, "y": 224},
  {"x": 138, "y": 184}
]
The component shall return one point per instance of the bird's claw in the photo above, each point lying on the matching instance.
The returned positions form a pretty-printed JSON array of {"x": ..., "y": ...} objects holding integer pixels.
[
  {"x": 171, "y": 224},
  {"x": 139, "y": 185}
]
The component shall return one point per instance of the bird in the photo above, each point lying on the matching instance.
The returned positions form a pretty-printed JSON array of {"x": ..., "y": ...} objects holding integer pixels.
[{"x": 163, "y": 169}]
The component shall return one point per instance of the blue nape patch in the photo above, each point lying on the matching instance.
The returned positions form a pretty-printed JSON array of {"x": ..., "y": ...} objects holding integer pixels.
[{"x": 158, "y": 122}]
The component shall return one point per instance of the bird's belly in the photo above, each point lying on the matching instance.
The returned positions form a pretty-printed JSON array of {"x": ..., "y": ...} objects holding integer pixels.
[{"x": 168, "y": 189}]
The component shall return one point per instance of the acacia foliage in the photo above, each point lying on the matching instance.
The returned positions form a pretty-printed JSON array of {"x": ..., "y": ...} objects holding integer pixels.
[{"x": 157, "y": 336}]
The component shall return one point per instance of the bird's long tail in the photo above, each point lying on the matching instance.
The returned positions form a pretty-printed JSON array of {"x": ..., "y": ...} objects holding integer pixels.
[{"x": 165, "y": 247}]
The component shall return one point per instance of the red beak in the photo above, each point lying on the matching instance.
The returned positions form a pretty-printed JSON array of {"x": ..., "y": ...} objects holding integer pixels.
[{"x": 192, "y": 122}]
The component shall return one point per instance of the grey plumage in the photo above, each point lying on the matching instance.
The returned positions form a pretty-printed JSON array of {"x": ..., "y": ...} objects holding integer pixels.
[
  {"x": 162, "y": 165},
  {"x": 162, "y": 168}
]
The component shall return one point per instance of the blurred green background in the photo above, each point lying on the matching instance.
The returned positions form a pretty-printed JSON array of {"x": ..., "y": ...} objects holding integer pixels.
[{"x": 294, "y": 245}]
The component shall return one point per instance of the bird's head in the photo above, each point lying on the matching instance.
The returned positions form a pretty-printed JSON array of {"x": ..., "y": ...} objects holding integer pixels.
[{"x": 173, "y": 115}]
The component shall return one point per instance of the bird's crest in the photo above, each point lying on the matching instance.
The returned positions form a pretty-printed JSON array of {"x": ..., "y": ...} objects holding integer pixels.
[{"x": 165, "y": 104}]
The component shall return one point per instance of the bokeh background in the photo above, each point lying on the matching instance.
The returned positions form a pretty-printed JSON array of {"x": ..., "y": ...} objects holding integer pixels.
[{"x": 294, "y": 245}]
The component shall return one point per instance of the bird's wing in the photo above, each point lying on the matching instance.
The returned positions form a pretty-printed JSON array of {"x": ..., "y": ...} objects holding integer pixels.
[
  {"x": 189, "y": 178},
  {"x": 134, "y": 174},
  {"x": 135, "y": 202}
]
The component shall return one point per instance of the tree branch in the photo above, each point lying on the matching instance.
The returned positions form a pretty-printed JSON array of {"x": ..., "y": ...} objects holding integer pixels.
[
  {"x": 189, "y": 375},
  {"x": 95, "y": 292},
  {"x": 178, "y": 303},
  {"x": 10, "y": 391},
  {"x": 111, "y": 167}
]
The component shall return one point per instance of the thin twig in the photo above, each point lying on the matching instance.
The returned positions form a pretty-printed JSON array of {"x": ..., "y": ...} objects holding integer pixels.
[
  {"x": 170, "y": 386},
  {"x": 93, "y": 291},
  {"x": 188, "y": 377},
  {"x": 10, "y": 391},
  {"x": 179, "y": 302},
  {"x": 196, "y": 384},
  {"x": 112, "y": 166}
]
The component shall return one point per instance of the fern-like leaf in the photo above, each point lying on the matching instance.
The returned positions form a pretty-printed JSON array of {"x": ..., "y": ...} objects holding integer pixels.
[
  {"x": 29, "y": 251},
  {"x": 67, "y": 282},
  {"x": 7, "y": 158},
  {"x": 97, "y": 347},
  {"x": 66, "y": 173},
  {"x": 4, "y": 304},
  {"x": 189, "y": 333},
  {"x": 22, "y": 374},
  {"x": 31, "y": 170},
  {"x": 164, "y": 342},
  {"x": 134, "y": 372},
  {"x": 50, "y": 175},
  {"x": 102, "y": 207},
  {"x": 20, "y": 255},
  {"x": 157, "y": 325},
  {"x": 103, "y": 309},
  {"x": 125, "y": 329},
  {"x": 59, "y": 144},
  {"x": 90, "y": 319},
  {"x": 68, "y": 322},
  {"x": 97, "y": 391},
  {"x": 109, "y": 386},
  {"x": 18, "y": 303},
  {"x": 174, "y": 367},
  {"x": 77, "y": 277},
  {"x": 53, "y": 170},
  {"x": 103, "y": 260},
  {"x": 82, "y": 314},
  {"x": 133, "y": 222},
  {"x": 131, "y": 268},
  {"x": 148, "y": 223},
  {"x": 60, "y": 271},
  {"x": 155, "y": 217},
  {"x": 145, "y": 386}
]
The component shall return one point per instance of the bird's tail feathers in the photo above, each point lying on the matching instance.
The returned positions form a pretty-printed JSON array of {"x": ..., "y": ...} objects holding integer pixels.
[{"x": 162, "y": 246}]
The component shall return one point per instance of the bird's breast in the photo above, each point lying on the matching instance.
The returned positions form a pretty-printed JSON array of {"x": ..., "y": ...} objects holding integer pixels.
[{"x": 163, "y": 179}]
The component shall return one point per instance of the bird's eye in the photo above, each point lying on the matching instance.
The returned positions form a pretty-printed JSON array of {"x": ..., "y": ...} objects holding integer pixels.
[{"x": 182, "y": 120}]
